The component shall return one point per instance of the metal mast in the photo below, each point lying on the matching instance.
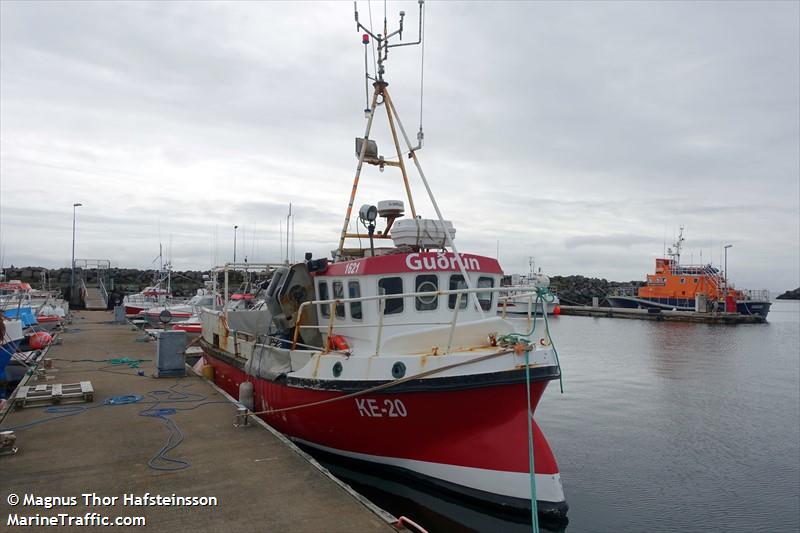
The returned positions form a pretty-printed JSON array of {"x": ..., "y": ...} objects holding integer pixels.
[{"x": 381, "y": 97}]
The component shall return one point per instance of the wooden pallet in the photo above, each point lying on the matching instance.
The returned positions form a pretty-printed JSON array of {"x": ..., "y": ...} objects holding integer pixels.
[{"x": 57, "y": 393}]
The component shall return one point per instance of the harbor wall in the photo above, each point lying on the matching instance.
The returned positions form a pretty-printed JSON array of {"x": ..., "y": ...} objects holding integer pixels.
[
  {"x": 573, "y": 290},
  {"x": 120, "y": 281}
]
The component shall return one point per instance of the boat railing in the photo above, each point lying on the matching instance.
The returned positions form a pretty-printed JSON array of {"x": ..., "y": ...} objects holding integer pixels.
[
  {"x": 381, "y": 298},
  {"x": 756, "y": 294},
  {"x": 713, "y": 277},
  {"x": 626, "y": 290}
]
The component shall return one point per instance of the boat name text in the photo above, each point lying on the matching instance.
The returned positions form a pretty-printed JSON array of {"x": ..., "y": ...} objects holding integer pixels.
[{"x": 440, "y": 262}]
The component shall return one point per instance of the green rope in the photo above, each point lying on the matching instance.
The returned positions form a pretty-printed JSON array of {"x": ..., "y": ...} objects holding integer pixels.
[
  {"x": 543, "y": 296},
  {"x": 133, "y": 363},
  {"x": 534, "y": 509}
]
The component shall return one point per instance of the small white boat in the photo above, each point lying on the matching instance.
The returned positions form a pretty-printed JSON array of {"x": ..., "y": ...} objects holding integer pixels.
[
  {"x": 179, "y": 313},
  {"x": 522, "y": 297}
]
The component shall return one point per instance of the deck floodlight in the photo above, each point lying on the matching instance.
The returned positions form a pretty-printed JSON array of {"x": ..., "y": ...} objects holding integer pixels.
[
  {"x": 371, "y": 151},
  {"x": 368, "y": 213}
]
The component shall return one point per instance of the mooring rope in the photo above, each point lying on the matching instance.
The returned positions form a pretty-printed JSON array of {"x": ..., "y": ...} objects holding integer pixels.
[{"x": 386, "y": 385}]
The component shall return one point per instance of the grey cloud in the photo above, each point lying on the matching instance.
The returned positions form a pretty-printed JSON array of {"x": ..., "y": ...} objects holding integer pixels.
[{"x": 546, "y": 124}]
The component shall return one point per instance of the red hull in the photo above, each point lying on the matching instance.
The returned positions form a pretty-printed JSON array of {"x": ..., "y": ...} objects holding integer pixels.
[
  {"x": 132, "y": 310},
  {"x": 481, "y": 429}
]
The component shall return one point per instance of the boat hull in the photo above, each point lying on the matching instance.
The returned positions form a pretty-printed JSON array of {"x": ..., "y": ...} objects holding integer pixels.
[
  {"x": 753, "y": 307},
  {"x": 133, "y": 311},
  {"x": 453, "y": 435},
  {"x": 745, "y": 307},
  {"x": 154, "y": 319}
]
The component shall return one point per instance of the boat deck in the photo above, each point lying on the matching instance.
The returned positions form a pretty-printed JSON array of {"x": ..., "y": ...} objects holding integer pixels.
[
  {"x": 665, "y": 315},
  {"x": 261, "y": 482}
]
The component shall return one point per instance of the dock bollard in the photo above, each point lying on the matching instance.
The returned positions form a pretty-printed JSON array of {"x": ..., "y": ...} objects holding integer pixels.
[{"x": 242, "y": 418}]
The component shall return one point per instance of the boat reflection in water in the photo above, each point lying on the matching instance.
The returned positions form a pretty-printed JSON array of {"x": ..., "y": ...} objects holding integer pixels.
[{"x": 434, "y": 509}]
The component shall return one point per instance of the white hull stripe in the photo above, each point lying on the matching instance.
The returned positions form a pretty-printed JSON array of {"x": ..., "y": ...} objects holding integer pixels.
[{"x": 512, "y": 484}]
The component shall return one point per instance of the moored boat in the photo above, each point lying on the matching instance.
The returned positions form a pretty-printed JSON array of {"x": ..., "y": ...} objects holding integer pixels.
[
  {"x": 531, "y": 284},
  {"x": 395, "y": 354},
  {"x": 11, "y": 335},
  {"x": 700, "y": 287},
  {"x": 178, "y": 313},
  {"x": 158, "y": 294}
]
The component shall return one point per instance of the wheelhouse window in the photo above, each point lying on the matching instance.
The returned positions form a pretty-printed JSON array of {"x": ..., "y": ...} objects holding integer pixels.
[
  {"x": 354, "y": 291},
  {"x": 426, "y": 283},
  {"x": 485, "y": 298},
  {"x": 324, "y": 309},
  {"x": 338, "y": 294},
  {"x": 391, "y": 286},
  {"x": 456, "y": 283}
]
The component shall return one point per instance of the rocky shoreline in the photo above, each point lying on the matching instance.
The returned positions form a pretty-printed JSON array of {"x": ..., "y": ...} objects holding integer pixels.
[
  {"x": 573, "y": 290},
  {"x": 579, "y": 290},
  {"x": 119, "y": 281},
  {"x": 790, "y": 295}
]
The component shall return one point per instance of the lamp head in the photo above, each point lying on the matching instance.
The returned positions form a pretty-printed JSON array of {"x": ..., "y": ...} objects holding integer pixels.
[{"x": 368, "y": 213}]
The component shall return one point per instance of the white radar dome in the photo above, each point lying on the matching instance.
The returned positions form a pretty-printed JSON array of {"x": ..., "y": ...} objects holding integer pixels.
[{"x": 391, "y": 208}]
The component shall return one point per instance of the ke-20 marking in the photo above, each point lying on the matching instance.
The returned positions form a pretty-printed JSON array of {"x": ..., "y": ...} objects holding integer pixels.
[{"x": 372, "y": 408}]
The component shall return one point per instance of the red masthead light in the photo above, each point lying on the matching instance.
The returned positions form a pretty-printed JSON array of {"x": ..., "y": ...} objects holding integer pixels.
[{"x": 365, "y": 38}]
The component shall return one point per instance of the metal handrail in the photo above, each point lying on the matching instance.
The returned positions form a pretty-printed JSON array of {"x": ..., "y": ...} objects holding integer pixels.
[
  {"x": 381, "y": 298},
  {"x": 103, "y": 290}
]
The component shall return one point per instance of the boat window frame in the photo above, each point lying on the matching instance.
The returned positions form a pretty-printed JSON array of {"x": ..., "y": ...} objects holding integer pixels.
[
  {"x": 485, "y": 305},
  {"x": 418, "y": 300},
  {"x": 451, "y": 299},
  {"x": 390, "y": 309},
  {"x": 339, "y": 307},
  {"x": 324, "y": 309},
  {"x": 354, "y": 305}
]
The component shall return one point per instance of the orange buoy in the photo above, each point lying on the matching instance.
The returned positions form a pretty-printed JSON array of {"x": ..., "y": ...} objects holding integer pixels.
[
  {"x": 557, "y": 310},
  {"x": 39, "y": 340}
]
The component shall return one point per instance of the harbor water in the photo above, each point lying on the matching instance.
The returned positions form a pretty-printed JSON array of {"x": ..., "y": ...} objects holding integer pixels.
[{"x": 662, "y": 427}]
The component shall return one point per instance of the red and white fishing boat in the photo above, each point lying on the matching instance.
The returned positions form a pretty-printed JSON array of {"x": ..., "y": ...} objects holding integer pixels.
[
  {"x": 159, "y": 294},
  {"x": 395, "y": 355},
  {"x": 179, "y": 313}
]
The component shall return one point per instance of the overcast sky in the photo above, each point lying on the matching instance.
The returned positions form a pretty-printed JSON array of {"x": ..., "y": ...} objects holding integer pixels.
[{"x": 583, "y": 134}]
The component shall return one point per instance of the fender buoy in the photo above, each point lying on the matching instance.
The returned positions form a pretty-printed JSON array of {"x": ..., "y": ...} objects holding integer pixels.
[
  {"x": 39, "y": 340},
  {"x": 557, "y": 310},
  {"x": 338, "y": 343}
]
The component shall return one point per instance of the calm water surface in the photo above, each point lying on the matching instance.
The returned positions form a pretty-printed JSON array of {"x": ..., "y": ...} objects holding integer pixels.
[{"x": 662, "y": 427}]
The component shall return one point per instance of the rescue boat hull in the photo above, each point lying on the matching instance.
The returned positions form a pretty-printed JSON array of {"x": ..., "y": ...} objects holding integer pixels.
[
  {"x": 455, "y": 437},
  {"x": 745, "y": 307}
]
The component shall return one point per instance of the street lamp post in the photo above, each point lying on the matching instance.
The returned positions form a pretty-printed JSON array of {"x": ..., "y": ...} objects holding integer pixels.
[
  {"x": 72, "y": 275},
  {"x": 726, "y": 267},
  {"x": 234, "y": 242}
]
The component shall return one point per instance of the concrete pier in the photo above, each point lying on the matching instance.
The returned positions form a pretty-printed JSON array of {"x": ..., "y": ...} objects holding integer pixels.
[
  {"x": 665, "y": 315},
  {"x": 260, "y": 482}
]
